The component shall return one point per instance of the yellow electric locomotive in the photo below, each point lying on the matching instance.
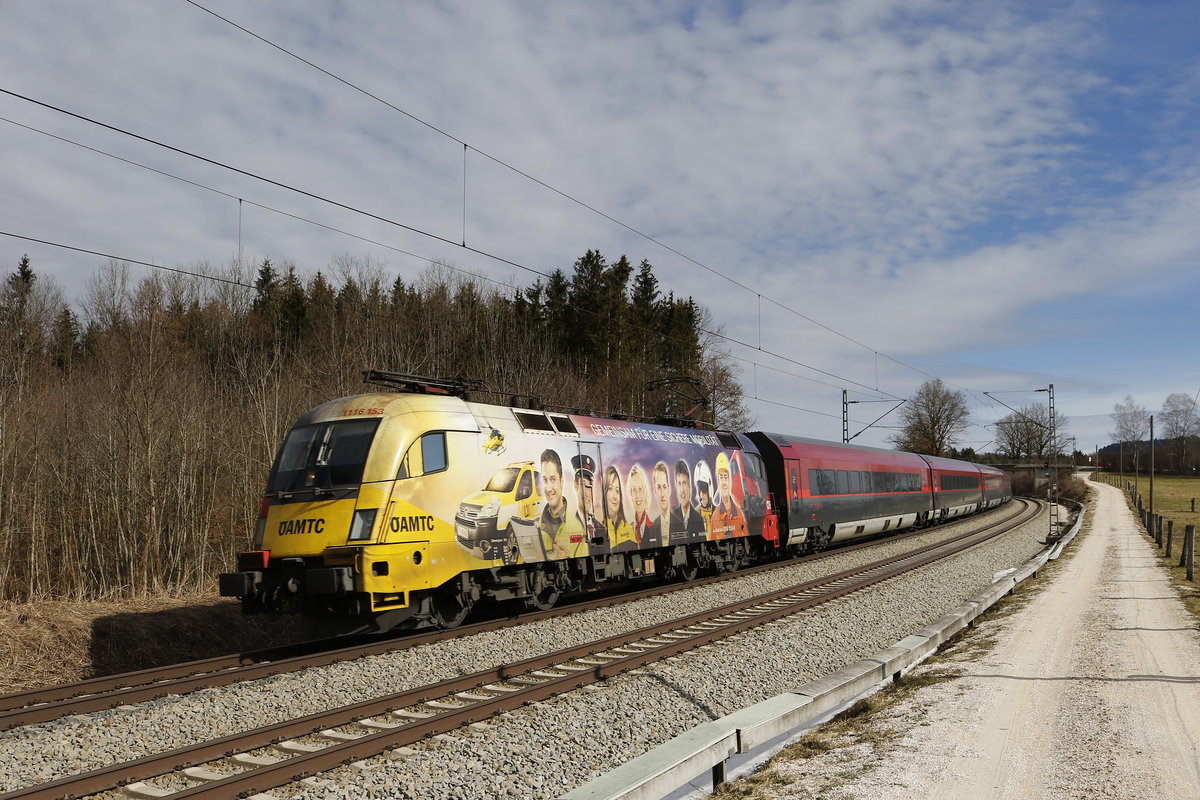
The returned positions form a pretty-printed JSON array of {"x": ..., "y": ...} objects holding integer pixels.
[{"x": 411, "y": 506}]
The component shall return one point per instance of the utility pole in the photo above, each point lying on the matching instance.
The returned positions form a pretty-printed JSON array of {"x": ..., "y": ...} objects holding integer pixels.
[
  {"x": 1151, "y": 466},
  {"x": 1052, "y": 430},
  {"x": 845, "y": 418},
  {"x": 846, "y": 403},
  {"x": 1054, "y": 531}
]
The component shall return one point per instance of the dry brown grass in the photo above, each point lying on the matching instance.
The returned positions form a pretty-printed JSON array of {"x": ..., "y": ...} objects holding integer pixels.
[{"x": 54, "y": 642}]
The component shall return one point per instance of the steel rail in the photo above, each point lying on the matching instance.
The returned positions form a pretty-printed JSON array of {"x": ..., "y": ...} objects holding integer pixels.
[
  {"x": 104, "y": 692},
  {"x": 588, "y": 663}
]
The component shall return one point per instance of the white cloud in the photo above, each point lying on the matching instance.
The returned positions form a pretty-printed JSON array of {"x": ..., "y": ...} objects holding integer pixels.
[{"x": 918, "y": 174}]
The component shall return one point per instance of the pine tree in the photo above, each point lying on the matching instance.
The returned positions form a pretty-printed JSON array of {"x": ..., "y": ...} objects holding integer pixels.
[
  {"x": 293, "y": 307},
  {"x": 65, "y": 339},
  {"x": 586, "y": 329},
  {"x": 266, "y": 289}
]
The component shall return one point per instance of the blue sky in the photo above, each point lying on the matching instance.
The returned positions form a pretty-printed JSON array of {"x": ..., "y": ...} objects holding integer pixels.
[{"x": 1004, "y": 195}]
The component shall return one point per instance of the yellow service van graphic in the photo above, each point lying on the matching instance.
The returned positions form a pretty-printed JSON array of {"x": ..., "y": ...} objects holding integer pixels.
[{"x": 484, "y": 522}]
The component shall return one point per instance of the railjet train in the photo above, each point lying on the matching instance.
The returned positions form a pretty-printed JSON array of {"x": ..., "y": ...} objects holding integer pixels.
[{"x": 411, "y": 507}]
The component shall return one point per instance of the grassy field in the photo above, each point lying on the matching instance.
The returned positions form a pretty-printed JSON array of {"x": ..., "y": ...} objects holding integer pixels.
[{"x": 1173, "y": 496}]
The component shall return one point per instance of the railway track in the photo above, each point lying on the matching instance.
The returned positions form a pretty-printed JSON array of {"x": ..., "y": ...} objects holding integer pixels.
[
  {"x": 97, "y": 694},
  {"x": 271, "y": 756}
]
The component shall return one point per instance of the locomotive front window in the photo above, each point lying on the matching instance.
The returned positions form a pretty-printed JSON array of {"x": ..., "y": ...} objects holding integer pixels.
[{"x": 324, "y": 456}]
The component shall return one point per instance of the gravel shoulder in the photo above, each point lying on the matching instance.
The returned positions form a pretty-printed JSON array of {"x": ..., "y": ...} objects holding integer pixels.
[{"x": 1092, "y": 690}]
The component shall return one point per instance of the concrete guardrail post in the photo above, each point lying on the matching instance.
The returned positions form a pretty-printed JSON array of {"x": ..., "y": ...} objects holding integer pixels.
[{"x": 718, "y": 774}]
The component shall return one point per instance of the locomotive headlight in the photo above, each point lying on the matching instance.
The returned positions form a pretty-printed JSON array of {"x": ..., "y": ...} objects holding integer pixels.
[
  {"x": 259, "y": 530},
  {"x": 364, "y": 522},
  {"x": 491, "y": 509}
]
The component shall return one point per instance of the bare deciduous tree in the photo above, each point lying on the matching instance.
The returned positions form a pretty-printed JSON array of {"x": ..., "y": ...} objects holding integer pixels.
[
  {"x": 1131, "y": 420},
  {"x": 1026, "y": 433},
  {"x": 934, "y": 418},
  {"x": 1131, "y": 425},
  {"x": 1180, "y": 424}
]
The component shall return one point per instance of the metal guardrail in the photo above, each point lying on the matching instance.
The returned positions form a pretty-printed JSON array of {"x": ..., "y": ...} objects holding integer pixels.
[{"x": 709, "y": 746}]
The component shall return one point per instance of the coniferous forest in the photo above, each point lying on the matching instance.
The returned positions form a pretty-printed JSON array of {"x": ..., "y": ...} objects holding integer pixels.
[{"x": 137, "y": 425}]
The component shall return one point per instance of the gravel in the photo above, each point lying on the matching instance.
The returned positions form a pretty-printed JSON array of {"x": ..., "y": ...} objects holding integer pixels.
[{"x": 547, "y": 748}]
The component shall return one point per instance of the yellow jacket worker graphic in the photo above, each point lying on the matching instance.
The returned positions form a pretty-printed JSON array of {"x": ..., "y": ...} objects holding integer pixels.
[
  {"x": 562, "y": 532},
  {"x": 728, "y": 521}
]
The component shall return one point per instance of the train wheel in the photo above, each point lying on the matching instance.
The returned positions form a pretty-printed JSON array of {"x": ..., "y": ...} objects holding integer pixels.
[
  {"x": 818, "y": 539},
  {"x": 449, "y": 606},
  {"x": 545, "y": 592},
  {"x": 688, "y": 572},
  {"x": 544, "y": 599}
]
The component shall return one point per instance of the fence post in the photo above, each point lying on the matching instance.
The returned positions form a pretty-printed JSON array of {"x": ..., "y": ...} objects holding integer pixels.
[
  {"x": 1170, "y": 535},
  {"x": 1158, "y": 531},
  {"x": 1189, "y": 550}
]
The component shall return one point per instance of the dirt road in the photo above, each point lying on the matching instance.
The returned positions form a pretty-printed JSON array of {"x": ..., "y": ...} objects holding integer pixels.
[{"x": 1092, "y": 691}]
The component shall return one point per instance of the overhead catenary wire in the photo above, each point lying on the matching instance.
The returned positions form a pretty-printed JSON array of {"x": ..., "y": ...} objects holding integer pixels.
[
  {"x": 561, "y": 193},
  {"x": 251, "y": 287},
  {"x": 375, "y": 242},
  {"x": 377, "y": 217},
  {"x": 589, "y": 207}
]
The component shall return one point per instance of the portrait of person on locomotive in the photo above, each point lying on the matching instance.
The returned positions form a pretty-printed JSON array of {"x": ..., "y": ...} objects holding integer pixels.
[
  {"x": 686, "y": 520},
  {"x": 621, "y": 537},
  {"x": 593, "y": 529},
  {"x": 562, "y": 533},
  {"x": 704, "y": 487},
  {"x": 662, "y": 499},
  {"x": 646, "y": 529},
  {"x": 728, "y": 520}
]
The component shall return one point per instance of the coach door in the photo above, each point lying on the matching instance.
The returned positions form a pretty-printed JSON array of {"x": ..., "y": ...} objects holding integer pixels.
[{"x": 792, "y": 476}]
